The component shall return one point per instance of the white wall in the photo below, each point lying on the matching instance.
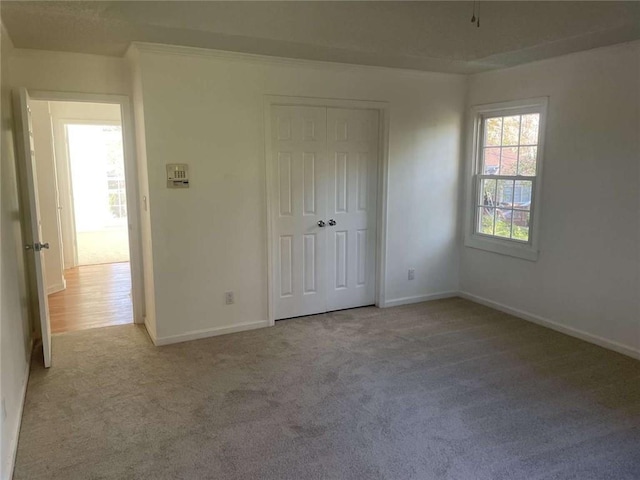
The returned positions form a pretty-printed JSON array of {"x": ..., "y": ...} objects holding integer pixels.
[
  {"x": 207, "y": 111},
  {"x": 48, "y": 195},
  {"x": 69, "y": 72},
  {"x": 586, "y": 278},
  {"x": 15, "y": 328}
]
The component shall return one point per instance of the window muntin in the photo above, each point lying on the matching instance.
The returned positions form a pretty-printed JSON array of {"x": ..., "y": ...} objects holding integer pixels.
[{"x": 507, "y": 166}]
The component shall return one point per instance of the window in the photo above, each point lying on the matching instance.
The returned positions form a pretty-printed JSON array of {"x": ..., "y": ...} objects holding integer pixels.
[
  {"x": 115, "y": 173},
  {"x": 505, "y": 180}
]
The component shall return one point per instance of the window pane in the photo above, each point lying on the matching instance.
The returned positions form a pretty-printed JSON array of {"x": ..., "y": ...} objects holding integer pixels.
[
  {"x": 521, "y": 218},
  {"x": 492, "y": 131},
  {"x": 527, "y": 161},
  {"x": 521, "y": 225},
  {"x": 522, "y": 194},
  {"x": 491, "y": 161},
  {"x": 508, "y": 149},
  {"x": 529, "y": 129},
  {"x": 503, "y": 222},
  {"x": 486, "y": 220},
  {"x": 509, "y": 161},
  {"x": 488, "y": 192},
  {"x": 504, "y": 195},
  {"x": 510, "y": 130}
]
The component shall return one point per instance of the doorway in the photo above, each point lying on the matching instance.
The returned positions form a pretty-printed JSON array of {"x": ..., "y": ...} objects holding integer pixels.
[
  {"x": 324, "y": 171},
  {"x": 98, "y": 188},
  {"x": 79, "y": 158}
]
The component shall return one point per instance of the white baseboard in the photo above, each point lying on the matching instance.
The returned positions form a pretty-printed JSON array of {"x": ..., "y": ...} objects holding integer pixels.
[
  {"x": 57, "y": 287},
  {"x": 396, "y": 302},
  {"x": 545, "y": 322},
  {"x": 574, "y": 332},
  {"x": 13, "y": 445},
  {"x": 210, "y": 332},
  {"x": 150, "y": 332}
]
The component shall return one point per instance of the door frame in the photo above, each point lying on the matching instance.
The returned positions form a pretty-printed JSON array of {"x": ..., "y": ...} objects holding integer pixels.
[
  {"x": 382, "y": 108},
  {"x": 131, "y": 180}
]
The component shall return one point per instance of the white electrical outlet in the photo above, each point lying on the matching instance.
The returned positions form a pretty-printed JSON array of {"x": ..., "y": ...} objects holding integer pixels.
[
  {"x": 412, "y": 274},
  {"x": 228, "y": 298}
]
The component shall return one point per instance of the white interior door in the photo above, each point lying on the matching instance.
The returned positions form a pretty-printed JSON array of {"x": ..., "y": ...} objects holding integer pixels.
[
  {"x": 299, "y": 173},
  {"x": 33, "y": 233},
  {"x": 324, "y": 165},
  {"x": 352, "y": 146}
]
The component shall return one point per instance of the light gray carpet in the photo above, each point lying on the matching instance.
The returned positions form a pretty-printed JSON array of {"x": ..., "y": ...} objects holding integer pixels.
[
  {"x": 110, "y": 245},
  {"x": 441, "y": 390}
]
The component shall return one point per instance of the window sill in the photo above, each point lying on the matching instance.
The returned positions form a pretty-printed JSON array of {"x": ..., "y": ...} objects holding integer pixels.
[{"x": 502, "y": 247}]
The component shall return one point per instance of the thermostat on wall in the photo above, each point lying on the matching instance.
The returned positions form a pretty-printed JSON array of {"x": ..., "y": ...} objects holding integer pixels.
[{"x": 177, "y": 175}]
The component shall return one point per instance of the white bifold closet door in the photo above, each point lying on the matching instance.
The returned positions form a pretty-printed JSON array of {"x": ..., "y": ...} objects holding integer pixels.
[{"x": 324, "y": 168}]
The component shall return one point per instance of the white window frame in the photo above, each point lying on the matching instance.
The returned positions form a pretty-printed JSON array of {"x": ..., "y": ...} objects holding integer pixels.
[{"x": 505, "y": 246}]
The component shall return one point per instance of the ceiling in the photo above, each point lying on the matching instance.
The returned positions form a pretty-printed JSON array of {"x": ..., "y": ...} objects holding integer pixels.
[{"x": 422, "y": 35}]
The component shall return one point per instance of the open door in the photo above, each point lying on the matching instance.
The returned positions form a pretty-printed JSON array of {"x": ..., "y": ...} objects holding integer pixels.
[{"x": 32, "y": 230}]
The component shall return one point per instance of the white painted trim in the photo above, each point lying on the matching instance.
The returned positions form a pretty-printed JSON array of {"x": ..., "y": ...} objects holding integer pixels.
[
  {"x": 131, "y": 177},
  {"x": 181, "y": 50},
  {"x": 13, "y": 447},
  {"x": 382, "y": 107},
  {"x": 268, "y": 104},
  {"x": 541, "y": 62},
  {"x": 209, "y": 332},
  {"x": 553, "y": 325},
  {"x": 396, "y": 302},
  {"x": 329, "y": 102},
  {"x": 149, "y": 330},
  {"x": 57, "y": 287},
  {"x": 65, "y": 190},
  {"x": 83, "y": 121},
  {"x": 384, "y": 125},
  {"x": 502, "y": 247}
]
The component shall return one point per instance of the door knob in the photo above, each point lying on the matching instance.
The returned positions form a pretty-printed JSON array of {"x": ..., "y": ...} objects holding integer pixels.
[
  {"x": 332, "y": 222},
  {"x": 321, "y": 223}
]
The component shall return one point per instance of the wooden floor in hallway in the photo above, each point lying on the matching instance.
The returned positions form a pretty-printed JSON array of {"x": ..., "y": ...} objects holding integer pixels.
[{"x": 96, "y": 296}]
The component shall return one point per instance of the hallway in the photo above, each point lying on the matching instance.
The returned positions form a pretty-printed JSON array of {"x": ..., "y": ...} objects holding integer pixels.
[{"x": 96, "y": 296}]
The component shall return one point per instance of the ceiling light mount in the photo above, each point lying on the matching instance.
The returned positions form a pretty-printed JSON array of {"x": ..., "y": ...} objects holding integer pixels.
[{"x": 475, "y": 18}]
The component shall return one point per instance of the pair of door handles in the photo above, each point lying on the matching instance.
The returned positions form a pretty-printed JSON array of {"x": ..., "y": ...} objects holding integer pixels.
[
  {"x": 332, "y": 222},
  {"x": 37, "y": 246}
]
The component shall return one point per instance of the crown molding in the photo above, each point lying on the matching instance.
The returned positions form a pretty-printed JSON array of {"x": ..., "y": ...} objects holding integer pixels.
[{"x": 178, "y": 50}]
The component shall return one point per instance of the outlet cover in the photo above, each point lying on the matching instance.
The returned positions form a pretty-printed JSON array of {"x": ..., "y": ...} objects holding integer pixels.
[
  {"x": 228, "y": 298},
  {"x": 412, "y": 274}
]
